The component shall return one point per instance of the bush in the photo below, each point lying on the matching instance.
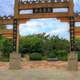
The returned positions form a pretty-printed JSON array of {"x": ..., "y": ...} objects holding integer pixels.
[
  {"x": 44, "y": 58},
  {"x": 62, "y": 55},
  {"x": 51, "y": 55},
  {"x": 78, "y": 56},
  {"x": 35, "y": 56},
  {"x": 4, "y": 59}
]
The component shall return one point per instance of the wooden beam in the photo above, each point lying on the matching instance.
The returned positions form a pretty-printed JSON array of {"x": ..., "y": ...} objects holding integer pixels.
[
  {"x": 22, "y": 21},
  {"x": 71, "y": 8},
  {"x": 42, "y": 15},
  {"x": 77, "y": 29},
  {"x": 77, "y": 33},
  {"x": 7, "y": 36},
  {"x": 16, "y": 11},
  {"x": 7, "y": 33},
  {"x": 77, "y": 19},
  {"x": 66, "y": 19},
  {"x": 17, "y": 40},
  {"x": 44, "y": 5},
  {"x": 6, "y": 21},
  {"x": 10, "y": 21}
]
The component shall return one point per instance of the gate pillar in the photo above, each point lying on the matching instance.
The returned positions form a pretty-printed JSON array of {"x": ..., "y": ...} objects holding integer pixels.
[
  {"x": 72, "y": 56},
  {"x": 15, "y": 58}
]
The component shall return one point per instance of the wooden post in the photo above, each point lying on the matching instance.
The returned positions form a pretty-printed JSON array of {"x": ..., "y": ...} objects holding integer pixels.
[
  {"x": 16, "y": 24},
  {"x": 72, "y": 57},
  {"x": 71, "y": 8},
  {"x": 16, "y": 36},
  {"x": 15, "y": 58},
  {"x": 17, "y": 42},
  {"x": 16, "y": 11}
]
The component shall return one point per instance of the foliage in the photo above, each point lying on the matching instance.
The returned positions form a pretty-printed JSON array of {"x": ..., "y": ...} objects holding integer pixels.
[
  {"x": 4, "y": 58},
  {"x": 51, "y": 55},
  {"x": 43, "y": 45},
  {"x": 47, "y": 46},
  {"x": 1, "y": 42},
  {"x": 32, "y": 43},
  {"x": 78, "y": 55},
  {"x": 35, "y": 56},
  {"x": 62, "y": 55},
  {"x": 77, "y": 44},
  {"x": 7, "y": 49}
]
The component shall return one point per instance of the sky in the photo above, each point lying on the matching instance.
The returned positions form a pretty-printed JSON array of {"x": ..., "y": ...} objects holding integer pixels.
[{"x": 33, "y": 26}]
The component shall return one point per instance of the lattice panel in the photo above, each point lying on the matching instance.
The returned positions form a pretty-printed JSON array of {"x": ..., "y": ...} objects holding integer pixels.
[
  {"x": 14, "y": 35},
  {"x": 72, "y": 33},
  {"x": 43, "y": 10},
  {"x": 40, "y": 1}
]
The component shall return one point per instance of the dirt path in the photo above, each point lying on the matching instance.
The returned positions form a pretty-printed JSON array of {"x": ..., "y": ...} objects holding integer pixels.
[
  {"x": 38, "y": 71},
  {"x": 39, "y": 64},
  {"x": 39, "y": 74}
]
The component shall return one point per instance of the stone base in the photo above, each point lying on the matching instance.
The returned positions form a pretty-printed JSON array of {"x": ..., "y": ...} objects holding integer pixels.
[
  {"x": 27, "y": 57},
  {"x": 15, "y": 61},
  {"x": 72, "y": 62}
]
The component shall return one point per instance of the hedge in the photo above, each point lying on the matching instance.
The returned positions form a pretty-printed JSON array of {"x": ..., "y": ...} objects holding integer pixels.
[{"x": 35, "y": 56}]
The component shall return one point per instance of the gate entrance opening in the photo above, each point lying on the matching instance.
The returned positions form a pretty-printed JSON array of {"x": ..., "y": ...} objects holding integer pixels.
[{"x": 42, "y": 9}]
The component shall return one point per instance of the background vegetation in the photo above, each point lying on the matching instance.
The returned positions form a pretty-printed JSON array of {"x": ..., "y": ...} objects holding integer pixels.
[{"x": 38, "y": 47}]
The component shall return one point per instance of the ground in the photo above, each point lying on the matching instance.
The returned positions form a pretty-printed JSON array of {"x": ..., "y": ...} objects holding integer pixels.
[{"x": 39, "y": 71}]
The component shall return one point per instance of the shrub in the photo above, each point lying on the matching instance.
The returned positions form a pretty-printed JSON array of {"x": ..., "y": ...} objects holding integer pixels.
[
  {"x": 44, "y": 58},
  {"x": 4, "y": 59},
  {"x": 78, "y": 56},
  {"x": 35, "y": 56},
  {"x": 51, "y": 55},
  {"x": 62, "y": 55}
]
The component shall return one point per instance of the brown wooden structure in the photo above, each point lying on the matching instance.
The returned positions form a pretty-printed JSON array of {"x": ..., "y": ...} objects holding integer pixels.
[
  {"x": 7, "y": 34},
  {"x": 42, "y": 9}
]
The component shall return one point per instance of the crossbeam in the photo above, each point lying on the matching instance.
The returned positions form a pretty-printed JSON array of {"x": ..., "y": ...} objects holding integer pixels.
[
  {"x": 43, "y": 5},
  {"x": 10, "y": 21},
  {"x": 6, "y": 21},
  {"x": 7, "y": 33},
  {"x": 42, "y": 15},
  {"x": 66, "y": 19}
]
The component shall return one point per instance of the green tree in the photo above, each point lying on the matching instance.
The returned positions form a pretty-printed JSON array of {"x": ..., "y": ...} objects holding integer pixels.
[
  {"x": 7, "y": 48},
  {"x": 1, "y": 42}
]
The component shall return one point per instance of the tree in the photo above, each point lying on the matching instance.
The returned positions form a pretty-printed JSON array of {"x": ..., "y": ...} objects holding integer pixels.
[
  {"x": 77, "y": 44},
  {"x": 43, "y": 44},
  {"x": 1, "y": 42},
  {"x": 7, "y": 48},
  {"x": 31, "y": 44}
]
